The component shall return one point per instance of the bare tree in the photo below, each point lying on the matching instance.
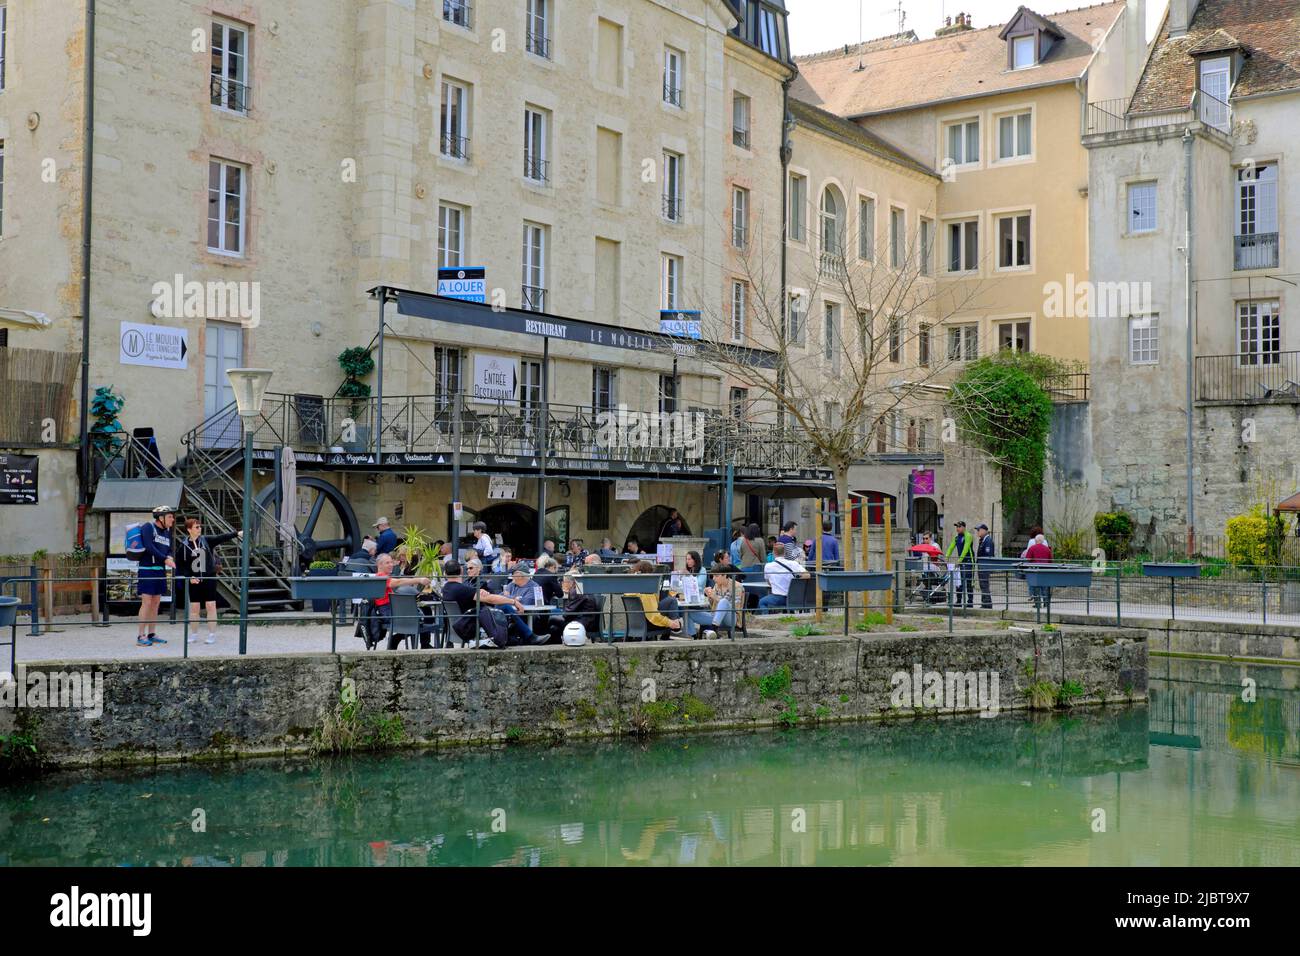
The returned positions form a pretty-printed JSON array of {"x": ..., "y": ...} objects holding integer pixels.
[{"x": 875, "y": 354}]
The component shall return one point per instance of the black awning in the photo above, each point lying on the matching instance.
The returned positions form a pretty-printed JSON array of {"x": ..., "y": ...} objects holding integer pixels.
[
  {"x": 785, "y": 489},
  {"x": 137, "y": 494}
]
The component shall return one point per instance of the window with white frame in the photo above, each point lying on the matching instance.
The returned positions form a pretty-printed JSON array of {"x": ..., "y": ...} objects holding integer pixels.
[
  {"x": 796, "y": 313},
  {"x": 963, "y": 140},
  {"x": 1215, "y": 85},
  {"x": 834, "y": 415},
  {"x": 537, "y": 163},
  {"x": 925, "y": 237},
  {"x": 1257, "y": 199},
  {"x": 963, "y": 343},
  {"x": 1144, "y": 340},
  {"x": 227, "y": 202},
  {"x": 1141, "y": 208},
  {"x": 1259, "y": 332},
  {"x": 451, "y": 235},
  {"x": 672, "y": 197},
  {"x": 229, "y": 72},
  {"x": 1013, "y": 241},
  {"x": 537, "y": 28},
  {"x": 923, "y": 345},
  {"x": 739, "y": 302},
  {"x": 738, "y": 402},
  {"x": 533, "y": 291},
  {"x": 1015, "y": 136},
  {"x": 866, "y": 228},
  {"x": 446, "y": 375},
  {"x": 604, "y": 387},
  {"x": 832, "y": 222},
  {"x": 830, "y": 330},
  {"x": 458, "y": 12},
  {"x": 740, "y": 120},
  {"x": 897, "y": 238},
  {"x": 1013, "y": 336},
  {"x": 673, "y": 76},
  {"x": 963, "y": 245},
  {"x": 798, "y": 207},
  {"x": 896, "y": 340},
  {"x": 3, "y": 31},
  {"x": 454, "y": 121},
  {"x": 671, "y": 283},
  {"x": 2, "y": 183},
  {"x": 1023, "y": 52},
  {"x": 739, "y": 217}
]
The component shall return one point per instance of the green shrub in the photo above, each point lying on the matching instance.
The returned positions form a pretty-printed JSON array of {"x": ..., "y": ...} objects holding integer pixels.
[
  {"x": 776, "y": 683},
  {"x": 1255, "y": 538},
  {"x": 1114, "y": 533},
  {"x": 323, "y": 566}
]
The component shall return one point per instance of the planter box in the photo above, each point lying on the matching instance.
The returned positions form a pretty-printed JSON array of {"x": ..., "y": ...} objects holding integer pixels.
[
  {"x": 1152, "y": 569},
  {"x": 1059, "y": 577},
  {"x": 620, "y": 583},
  {"x": 8, "y": 611},
  {"x": 339, "y": 588},
  {"x": 320, "y": 603},
  {"x": 837, "y": 582},
  {"x": 999, "y": 565}
]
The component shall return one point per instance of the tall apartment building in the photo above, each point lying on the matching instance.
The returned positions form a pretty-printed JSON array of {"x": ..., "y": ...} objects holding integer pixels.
[
  {"x": 1194, "y": 226},
  {"x": 585, "y": 156},
  {"x": 997, "y": 112}
]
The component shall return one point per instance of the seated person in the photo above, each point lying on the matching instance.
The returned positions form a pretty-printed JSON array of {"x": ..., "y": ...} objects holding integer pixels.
[
  {"x": 548, "y": 579},
  {"x": 575, "y": 555},
  {"x": 504, "y": 561},
  {"x": 582, "y": 608},
  {"x": 465, "y": 597},
  {"x": 663, "y": 616},
  {"x": 592, "y": 559},
  {"x": 474, "y": 575},
  {"x": 632, "y": 549},
  {"x": 607, "y": 552},
  {"x": 364, "y": 558},
  {"x": 382, "y": 615},
  {"x": 721, "y": 596},
  {"x": 521, "y": 593},
  {"x": 779, "y": 572}
]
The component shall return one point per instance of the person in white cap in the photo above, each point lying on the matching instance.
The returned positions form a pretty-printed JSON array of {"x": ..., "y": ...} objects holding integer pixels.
[{"x": 387, "y": 540}]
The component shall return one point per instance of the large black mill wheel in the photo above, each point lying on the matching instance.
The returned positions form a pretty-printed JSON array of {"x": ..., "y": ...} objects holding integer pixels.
[{"x": 325, "y": 497}]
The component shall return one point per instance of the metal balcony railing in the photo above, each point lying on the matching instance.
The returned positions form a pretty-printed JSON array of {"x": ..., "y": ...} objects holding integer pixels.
[
  {"x": 229, "y": 94},
  {"x": 457, "y": 147},
  {"x": 1248, "y": 376},
  {"x": 431, "y": 424},
  {"x": 1113, "y": 116},
  {"x": 673, "y": 208},
  {"x": 532, "y": 298},
  {"x": 1256, "y": 251},
  {"x": 459, "y": 12},
  {"x": 1068, "y": 386},
  {"x": 740, "y": 137},
  {"x": 538, "y": 44},
  {"x": 739, "y": 236},
  {"x": 536, "y": 169},
  {"x": 673, "y": 95}
]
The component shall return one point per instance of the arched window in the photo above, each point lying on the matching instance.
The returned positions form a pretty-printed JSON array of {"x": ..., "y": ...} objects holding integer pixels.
[{"x": 832, "y": 217}]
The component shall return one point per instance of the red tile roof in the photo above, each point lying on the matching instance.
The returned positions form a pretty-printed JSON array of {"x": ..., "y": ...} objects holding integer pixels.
[{"x": 1267, "y": 30}]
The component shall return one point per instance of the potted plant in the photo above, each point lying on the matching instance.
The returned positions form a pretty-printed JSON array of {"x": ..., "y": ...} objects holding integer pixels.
[
  {"x": 356, "y": 364},
  {"x": 321, "y": 569}
]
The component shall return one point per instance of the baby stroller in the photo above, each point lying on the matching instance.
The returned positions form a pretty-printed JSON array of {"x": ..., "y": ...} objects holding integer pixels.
[{"x": 930, "y": 579}]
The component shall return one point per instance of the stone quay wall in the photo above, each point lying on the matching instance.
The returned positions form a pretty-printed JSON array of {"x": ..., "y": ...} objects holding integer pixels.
[{"x": 226, "y": 707}]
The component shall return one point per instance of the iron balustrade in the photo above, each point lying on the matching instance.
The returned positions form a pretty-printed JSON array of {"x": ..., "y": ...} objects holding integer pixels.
[
  {"x": 740, "y": 137},
  {"x": 229, "y": 94},
  {"x": 538, "y": 44},
  {"x": 457, "y": 147},
  {"x": 1113, "y": 116},
  {"x": 536, "y": 169},
  {"x": 532, "y": 298},
  {"x": 673, "y": 95},
  {"x": 1067, "y": 386},
  {"x": 1256, "y": 251},
  {"x": 1248, "y": 376},
  {"x": 427, "y": 424},
  {"x": 459, "y": 12},
  {"x": 673, "y": 208}
]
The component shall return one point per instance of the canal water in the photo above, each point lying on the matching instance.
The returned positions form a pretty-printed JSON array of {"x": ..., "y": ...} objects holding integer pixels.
[{"x": 1196, "y": 777}]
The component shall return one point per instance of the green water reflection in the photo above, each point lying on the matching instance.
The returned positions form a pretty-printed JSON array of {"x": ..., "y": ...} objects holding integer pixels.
[{"x": 1196, "y": 777}]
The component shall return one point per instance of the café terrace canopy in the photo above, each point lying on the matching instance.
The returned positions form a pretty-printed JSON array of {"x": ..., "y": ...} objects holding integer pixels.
[
  {"x": 137, "y": 494},
  {"x": 1291, "y": 504},
  {"x": 543, "y": 325}
]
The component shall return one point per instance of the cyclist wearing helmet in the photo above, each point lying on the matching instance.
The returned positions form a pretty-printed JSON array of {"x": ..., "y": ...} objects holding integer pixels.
[{"x": 157, "y": 539}]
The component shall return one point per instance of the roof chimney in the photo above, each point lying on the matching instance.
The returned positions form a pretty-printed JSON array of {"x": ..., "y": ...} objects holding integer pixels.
[
  {"x": 958, "y": 25},
  {"x": 1180, "y": 16}
]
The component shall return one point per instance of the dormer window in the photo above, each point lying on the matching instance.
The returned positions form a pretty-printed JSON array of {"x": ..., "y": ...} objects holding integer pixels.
[
  {"x": 1022, "y": 52},
  {"x": 1029, "y": 39},
  {"x": 1218, "y": 58}
]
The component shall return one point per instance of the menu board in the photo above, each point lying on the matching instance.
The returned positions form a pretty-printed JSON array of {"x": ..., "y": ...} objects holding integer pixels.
[{"x": 18, "y": 479}]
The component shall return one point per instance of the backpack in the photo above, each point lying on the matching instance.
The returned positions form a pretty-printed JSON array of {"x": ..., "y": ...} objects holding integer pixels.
[{"x": 134, "y": 541}]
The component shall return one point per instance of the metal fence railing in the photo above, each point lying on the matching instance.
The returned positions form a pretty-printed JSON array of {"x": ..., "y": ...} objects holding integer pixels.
[{"x": 1248, "y": 376}]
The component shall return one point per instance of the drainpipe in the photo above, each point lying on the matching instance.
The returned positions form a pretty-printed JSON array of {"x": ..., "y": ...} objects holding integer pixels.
[
  {"x": 1188, "y": 141},
  {"x": 88, "y": 162}
]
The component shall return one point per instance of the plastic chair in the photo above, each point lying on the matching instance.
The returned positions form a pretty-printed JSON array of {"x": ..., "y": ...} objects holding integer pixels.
[
  {"x": 451, "y": 613},
  {"x": 638, "y": 628},
  {"x": 406, "y": 619}
]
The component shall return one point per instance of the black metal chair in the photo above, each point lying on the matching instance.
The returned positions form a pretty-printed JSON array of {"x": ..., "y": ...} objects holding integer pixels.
[
  {"x": 406, "y": 619},
  {"x": 637, "y": 627}
]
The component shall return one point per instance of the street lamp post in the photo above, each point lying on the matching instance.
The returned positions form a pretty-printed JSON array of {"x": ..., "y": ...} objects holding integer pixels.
[{"x": 249, "y": 385}]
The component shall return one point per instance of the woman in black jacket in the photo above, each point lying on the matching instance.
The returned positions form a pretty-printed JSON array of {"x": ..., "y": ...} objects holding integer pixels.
[{"x": 196, "y": 560}]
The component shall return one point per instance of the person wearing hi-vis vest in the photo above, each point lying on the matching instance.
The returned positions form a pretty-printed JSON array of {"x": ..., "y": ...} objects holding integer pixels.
[{"x": 960, "y": 557}]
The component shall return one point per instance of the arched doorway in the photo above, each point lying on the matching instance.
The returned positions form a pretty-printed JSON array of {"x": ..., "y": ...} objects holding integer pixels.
[
  {"x": 517, "y": 525},
  {"x": 646, "y": 528}
]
